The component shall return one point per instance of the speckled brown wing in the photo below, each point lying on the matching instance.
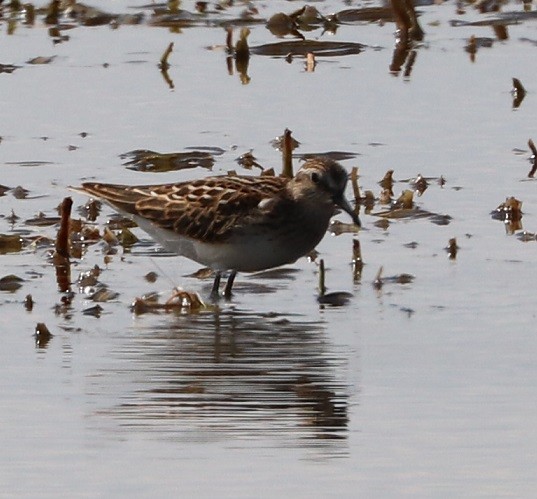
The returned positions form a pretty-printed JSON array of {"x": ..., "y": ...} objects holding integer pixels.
[{"x": 205, "y": 209}]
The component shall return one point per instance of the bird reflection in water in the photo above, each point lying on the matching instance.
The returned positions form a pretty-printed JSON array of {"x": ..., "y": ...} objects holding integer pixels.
[{"x": 235, "y": 373}]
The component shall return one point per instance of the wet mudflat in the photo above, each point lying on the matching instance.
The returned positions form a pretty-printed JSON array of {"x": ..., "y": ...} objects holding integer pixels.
[{"x": 421, "y": 383}]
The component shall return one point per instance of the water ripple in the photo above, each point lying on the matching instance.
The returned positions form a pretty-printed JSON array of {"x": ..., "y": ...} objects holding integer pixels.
[{"x": 230, "y": 374}]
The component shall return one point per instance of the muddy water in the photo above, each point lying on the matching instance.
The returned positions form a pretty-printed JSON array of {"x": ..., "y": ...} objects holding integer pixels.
[{"x": 418, "y": 388}]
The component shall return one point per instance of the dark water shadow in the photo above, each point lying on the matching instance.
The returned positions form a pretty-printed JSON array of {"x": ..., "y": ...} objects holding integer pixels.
[{"x": 235, "y": 375}]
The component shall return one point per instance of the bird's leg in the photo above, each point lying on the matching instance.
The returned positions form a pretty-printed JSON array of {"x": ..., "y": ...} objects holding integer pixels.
[
  {"x": 216, "y": 285},
  {"x": 229, "y": 284}
]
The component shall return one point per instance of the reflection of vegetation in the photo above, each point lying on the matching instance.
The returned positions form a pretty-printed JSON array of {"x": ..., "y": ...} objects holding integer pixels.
[
  {"x": 151, "y": 161},
  {"x": 509, "y": 212}
]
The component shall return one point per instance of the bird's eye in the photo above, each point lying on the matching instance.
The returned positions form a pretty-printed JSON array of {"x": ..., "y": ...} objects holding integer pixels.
[{"x": 315, "y": 178}]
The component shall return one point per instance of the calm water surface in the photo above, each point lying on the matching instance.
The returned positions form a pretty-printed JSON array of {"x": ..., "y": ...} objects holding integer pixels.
[{"x": 423, "y": 389}]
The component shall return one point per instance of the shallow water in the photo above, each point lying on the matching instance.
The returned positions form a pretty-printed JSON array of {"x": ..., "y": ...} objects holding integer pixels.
[{"x": 418, "y": 389}]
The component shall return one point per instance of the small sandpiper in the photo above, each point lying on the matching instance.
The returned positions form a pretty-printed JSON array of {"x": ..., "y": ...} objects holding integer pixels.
[{"x": 236, "y": 223}]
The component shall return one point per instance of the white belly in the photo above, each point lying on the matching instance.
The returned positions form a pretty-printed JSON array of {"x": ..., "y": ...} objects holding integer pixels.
[{"x": 248, "y": 254}]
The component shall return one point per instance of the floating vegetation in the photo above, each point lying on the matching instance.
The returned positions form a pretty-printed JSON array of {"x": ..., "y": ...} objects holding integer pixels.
[
  {"x": 335, "y": 155},
  {"x": 307, "y": 18},
  {"x": 164, "y": 65},
  {"x": 42, "y": 335},
  {"x": 30, "y": 163},
  {"x": 281, "y": 24},
  {"x": 41, "y": 60},
  {"x": 404, "y": 207},
  {"x": 365, "y": 15},
  {"x": 10, "y": 243},
  {"x": 355, "y": 187},
  {"x": 336, "y": 228},
  {"x": 406, "y": 19},
  {"x": 94, "y": 311},
  {"x": 279, "y": 142},
  {"x": 508, "y": 211},
  {"x": 127, "y": 238},
  {"x": 11, "y": 283},
  {"x": 181, "y": 301},
  {"x": 533, "y": 158},
  {"x": 8, "y": 68},
  {"x": 405, "y": 201},
  {"x": 334, "y": 299},
  {"x": 248, "y": 161},
  {"x": 387, "y": 182},
  {"x": 177, "y": 20},
  {"x": 203, "y": 273},
  {"x": 100, "y": 293},
  {"x": 452, "y": 248},
  {"x": 419, "y": 184},
  {"x": 518, "y": 92},
  {"x": 19, "y": 192},
  {"x": 42, "y": 220},
  {"x": 62, "y": 240},
  {"x": 526, "y": 236},
  {"x": 310, "y": 62},
  {"x": 151, "y": 277},
  {"x": 287, "y": 154},
  {"x": 357, "y": 261},
  {"x": 89, "y": 278},
  {"x": 380, "y": 281},
  {"x": 144, "y": 160},
  {"x": 28, "y": 303},
  {"x": 303, "y": 47},
  {"x": 474, "y": 43}
]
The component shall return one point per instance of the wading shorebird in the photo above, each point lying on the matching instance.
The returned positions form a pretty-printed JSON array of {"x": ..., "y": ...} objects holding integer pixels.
[{"x": 236, "y": 223}]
